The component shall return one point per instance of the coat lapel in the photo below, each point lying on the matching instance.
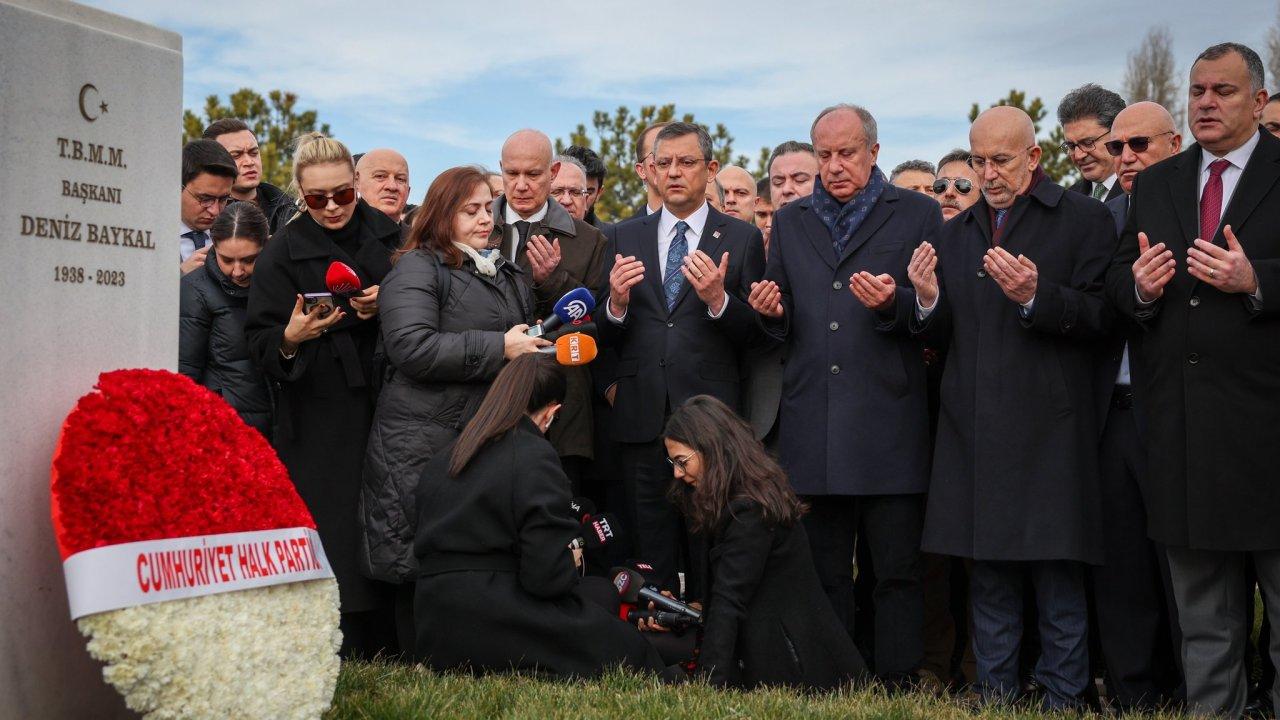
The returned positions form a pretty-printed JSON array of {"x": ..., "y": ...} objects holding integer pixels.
[
  {"x": 709, "y": 243},
  {"x": 1186, "y": 195},
  {"x": 1257, "y": 179},
  {"x": 818, "y": 233},
  {"x": 880, "y": 214},
  {"x": 648, "y": 254}
]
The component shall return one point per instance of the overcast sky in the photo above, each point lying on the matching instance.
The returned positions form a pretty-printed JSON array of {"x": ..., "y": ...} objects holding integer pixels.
[{"x": 445, "y": 83}]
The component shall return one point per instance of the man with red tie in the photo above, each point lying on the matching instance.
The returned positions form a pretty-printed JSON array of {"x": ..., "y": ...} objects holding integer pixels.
[{"x": 1198, "y": 269}]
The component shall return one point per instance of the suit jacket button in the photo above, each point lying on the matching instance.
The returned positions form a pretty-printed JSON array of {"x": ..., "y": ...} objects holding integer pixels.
[
  {"x": 1193, "y": 358},
  {"x": 1195, "y": 301},
  {"x": 837, "y": 285},
  {"x": 671, "y": 324},
  {"x": 835, "y": 369},
  {"x": 982, "y": 273},
  {"x": 834, "y": 326},
  {"x": 662, "y": 363}
]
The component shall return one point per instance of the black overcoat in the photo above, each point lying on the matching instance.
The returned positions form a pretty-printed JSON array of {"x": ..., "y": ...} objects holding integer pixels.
[
  {"x": 855, "y": 413},
  {"x": 1207, "y": 371},
  {"x": 325, "y": 394},
  {"x": 1015, "y": 467},
  {"x": 768, "y": 620},
  {"x": 498, "y": 589},
  {"x": 443, "y": 353}
]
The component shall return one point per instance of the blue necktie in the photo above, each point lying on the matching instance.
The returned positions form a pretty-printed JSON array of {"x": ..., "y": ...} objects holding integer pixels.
[
  {"x": 198, "y": 238},
  {"x": 675, "y": 258},
  {"x": 1000, "y": 216}
]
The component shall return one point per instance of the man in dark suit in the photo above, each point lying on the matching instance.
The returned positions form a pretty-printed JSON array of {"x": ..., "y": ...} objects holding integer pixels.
[
  {"x": 558, "y": 253},
  {"x": 1085, "y": 115},
  {"x": 677, "y": 315},
  {"x": 853, "y": 433},
  {"x": 1132, "y": 609},
  {"x": 1017, "y": 303},
  {"x": 1198, "y": 269}
]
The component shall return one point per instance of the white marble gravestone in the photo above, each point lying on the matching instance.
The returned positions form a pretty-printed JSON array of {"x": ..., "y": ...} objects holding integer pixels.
[{"x": 90, "y": 157}]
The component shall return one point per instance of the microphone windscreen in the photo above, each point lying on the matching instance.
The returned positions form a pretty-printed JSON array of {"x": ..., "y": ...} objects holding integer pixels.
[
  {"x": 598, "y": 532},
  {"x": 582, "y": 508},
  {"x": 628, "y": 583},
  {"x": 575, "y": 349},
  {"x": 341, "y": 279},
  {"x": 575, "y": 305},
  {"x": 648, "y": 575}
]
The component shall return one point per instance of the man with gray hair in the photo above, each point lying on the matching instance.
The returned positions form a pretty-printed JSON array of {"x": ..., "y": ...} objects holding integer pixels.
[
  {"x": 1085, "y": 115},
  {"x": 916, "y": 175},
  {"x": 1198, "y": 270},
  {"x": 569, "y": 188},
  {"x": 853, "y": 428},
  {"x": 1012, "y": 293},
  {"x": 558, "y": 253}
]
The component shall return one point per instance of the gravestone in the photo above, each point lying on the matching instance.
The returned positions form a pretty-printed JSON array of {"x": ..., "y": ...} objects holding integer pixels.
[{"x": 90, "y": 151}]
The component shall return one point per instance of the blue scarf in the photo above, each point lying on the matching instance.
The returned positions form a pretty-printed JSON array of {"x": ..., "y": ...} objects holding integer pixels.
[{"x": 843, "y": 219}]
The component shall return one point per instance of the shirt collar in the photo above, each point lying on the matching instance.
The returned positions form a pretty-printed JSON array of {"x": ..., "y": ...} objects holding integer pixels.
[
  {"x": 697, "y": 221},
  {"x": 183, "y": 229},
  {"x": 1109, "y": 183},
  {"x": 509, "y": 215},
  {"x": 1237, "y": 157}
]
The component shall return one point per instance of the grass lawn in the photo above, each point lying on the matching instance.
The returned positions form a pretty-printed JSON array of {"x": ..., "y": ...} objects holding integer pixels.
[{"x": 381, "y": 690}]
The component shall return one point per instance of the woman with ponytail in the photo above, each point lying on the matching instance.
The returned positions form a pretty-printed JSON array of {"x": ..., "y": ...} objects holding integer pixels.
[
  {"x": 498, "y": 588},
  {"x": 767, "y": 619},
  {"x": 320, "y": 361}
]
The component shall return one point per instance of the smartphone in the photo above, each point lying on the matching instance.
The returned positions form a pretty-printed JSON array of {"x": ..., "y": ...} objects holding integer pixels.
[{"x": 323, "y": 301}]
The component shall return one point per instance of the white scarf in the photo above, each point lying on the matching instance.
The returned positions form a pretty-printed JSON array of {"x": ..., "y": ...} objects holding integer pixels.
[{"x": 485, "y": 260}]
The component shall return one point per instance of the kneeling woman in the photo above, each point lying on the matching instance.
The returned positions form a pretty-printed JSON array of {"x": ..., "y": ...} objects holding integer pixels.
[
  {"x": 498, "y": 588},
  {"x": 767, "y": 619}
]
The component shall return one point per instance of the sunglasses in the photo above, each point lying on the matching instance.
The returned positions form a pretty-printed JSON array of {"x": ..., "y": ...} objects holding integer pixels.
[
  {"x": 1139, "y": 144},
  {"x": 316, "y": 201},
  {"x": 963, "y": 186}
]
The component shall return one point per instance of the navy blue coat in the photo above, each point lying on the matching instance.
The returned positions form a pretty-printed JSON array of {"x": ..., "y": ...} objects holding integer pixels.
[
  {"x": 854, "y": 418},
  {"x": 1015, "y": 470}
]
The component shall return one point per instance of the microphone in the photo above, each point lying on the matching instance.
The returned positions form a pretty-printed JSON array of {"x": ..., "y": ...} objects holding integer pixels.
[
  {"x": 570, "y": 308},
  {"x": 342, "y": 280},
  {"x": 597, "y": 531},
  {"x": 666, "y": 619},
  {"x": 573, "y": 349},
  {"x": 582, "y": 508},
  {"x": 631, "y": 589}
]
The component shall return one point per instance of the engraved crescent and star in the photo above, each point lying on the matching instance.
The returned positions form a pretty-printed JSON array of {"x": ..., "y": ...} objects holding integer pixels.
[{"x": 87, "y": 105}]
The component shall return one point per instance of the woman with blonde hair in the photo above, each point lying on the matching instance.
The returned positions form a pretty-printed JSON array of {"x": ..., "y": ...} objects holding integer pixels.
[{"x": 320, "y": 358}]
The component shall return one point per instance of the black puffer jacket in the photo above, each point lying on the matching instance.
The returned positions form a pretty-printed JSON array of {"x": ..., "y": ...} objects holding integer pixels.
[
  {"x": 442, "y": 357},
  {"x": 211, "y": 343}
]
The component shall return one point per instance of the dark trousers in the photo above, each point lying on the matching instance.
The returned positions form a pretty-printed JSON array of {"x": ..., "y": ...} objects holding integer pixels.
[
  {"x": 1062, "y": 612},
  {"x": 890, "y": 526},
  {"x": 658, "y": 536},
  {"x": 1213, "y": 601},
  {"x": 1131, "y": 608}
]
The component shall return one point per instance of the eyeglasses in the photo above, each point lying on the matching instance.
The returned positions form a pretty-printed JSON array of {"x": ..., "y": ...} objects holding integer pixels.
[
  {"x": 1139, "y": 144},
  {"x": 1088, "y": 143},
  {"x": 681, "y": 462},
  {"x": 572, "y": 192},
  {"x": 979, "y": 163},
  {"x": 685, "y": 163},
  {"x": 208, "y": 201},
  {"x": 963, "y": 186},
  {"x": 317, "y": 201}
]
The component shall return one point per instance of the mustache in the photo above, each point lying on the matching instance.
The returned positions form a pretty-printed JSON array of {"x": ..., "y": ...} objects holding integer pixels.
[{"x": 950, "y": 203}]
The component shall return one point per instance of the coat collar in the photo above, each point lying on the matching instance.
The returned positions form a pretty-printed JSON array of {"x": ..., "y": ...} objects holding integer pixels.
[
  {"x": 307, "y": 240},
  {"x": 820, "y": 237},
  {"x": 220, "y": 278},
  {"x": 557, "y": 218}
]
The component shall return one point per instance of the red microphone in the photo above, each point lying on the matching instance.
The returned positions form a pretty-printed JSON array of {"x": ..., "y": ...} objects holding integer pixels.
[{"x": 342, "y": 280}]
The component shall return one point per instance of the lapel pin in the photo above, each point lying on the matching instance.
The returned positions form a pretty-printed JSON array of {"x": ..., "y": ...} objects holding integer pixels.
[{"x": 715, "y": 234}]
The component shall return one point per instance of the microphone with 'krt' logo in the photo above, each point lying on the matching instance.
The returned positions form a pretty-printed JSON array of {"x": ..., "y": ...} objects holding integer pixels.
[{"x": 573, "y": 349}]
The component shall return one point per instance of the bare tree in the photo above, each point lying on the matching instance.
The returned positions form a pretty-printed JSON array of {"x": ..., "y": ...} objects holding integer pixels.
[
  {"x": 1152, "y": 74},
  {"x": 1273, "y": 52}
]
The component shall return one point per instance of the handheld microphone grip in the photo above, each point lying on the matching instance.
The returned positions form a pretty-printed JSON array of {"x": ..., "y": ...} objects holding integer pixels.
[
  {"x": 631, "y": 589},
  {"x": 572, "y": 306}
]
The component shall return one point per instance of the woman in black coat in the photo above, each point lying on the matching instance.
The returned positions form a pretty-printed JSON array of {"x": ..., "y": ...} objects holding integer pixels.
[
  {"x": 322, "y": 365},
  {"x": 452, "y": 314},
  {"x": 497, "y": 587},
  {"x": 767, "y": 619},
  {"x": 212, "y": 308}
]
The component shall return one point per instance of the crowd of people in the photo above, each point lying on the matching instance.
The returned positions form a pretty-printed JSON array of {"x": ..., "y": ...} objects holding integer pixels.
[{"x": 951, "y": 426}]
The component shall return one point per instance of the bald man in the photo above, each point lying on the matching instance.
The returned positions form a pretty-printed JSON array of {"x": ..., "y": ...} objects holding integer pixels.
[
  {"x": 558, "y": 253},
  {"x": 739, "y": 193},
  {"x": 1013, "y": 291},
  {"x": 1134, "y": 615},
  {"x": 382, "y": 179}
]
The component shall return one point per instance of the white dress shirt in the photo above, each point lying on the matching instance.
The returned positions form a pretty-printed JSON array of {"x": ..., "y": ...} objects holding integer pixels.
[
  {"x": 186, "y": 246},
  {"x": 510, "y": 216},
  {"x": 1108, "y": 184},
  {"x": 697, "y": 222}
]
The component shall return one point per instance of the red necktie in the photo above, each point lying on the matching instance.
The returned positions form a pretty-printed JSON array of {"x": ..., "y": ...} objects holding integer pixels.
[{"x": 1211, "y": 201}]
